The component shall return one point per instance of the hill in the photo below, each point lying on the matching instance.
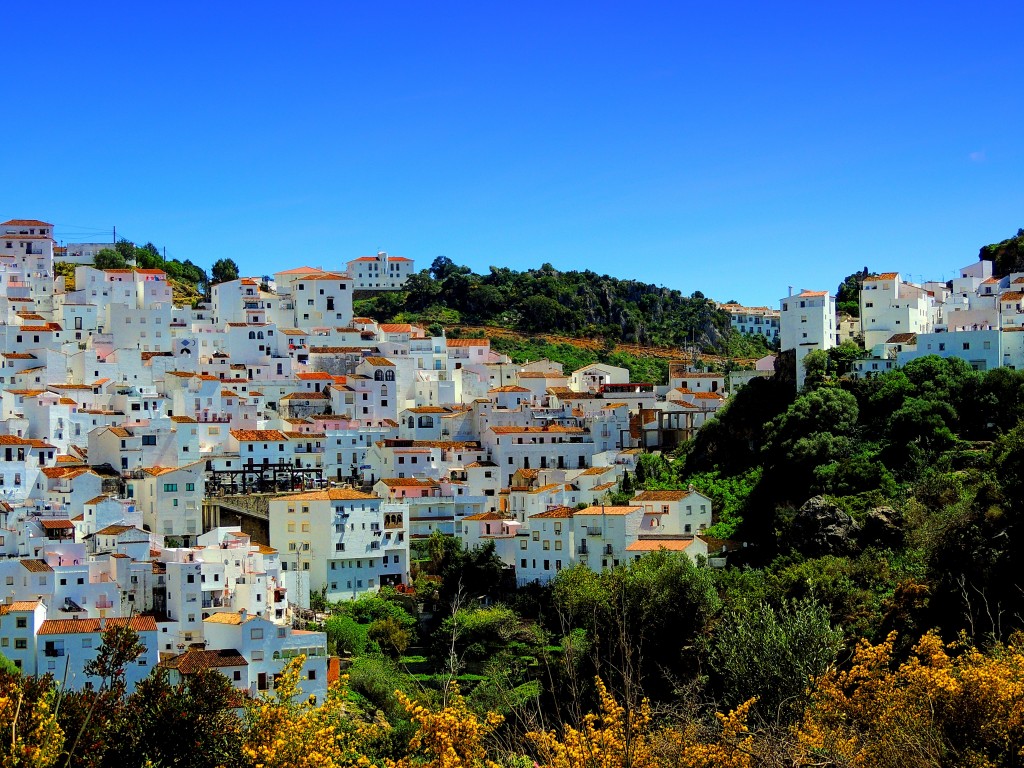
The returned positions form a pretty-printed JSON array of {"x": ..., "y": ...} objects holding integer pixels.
[
  {"x": 573, "y": 304},
  {"x": 1007, "y": 256}
]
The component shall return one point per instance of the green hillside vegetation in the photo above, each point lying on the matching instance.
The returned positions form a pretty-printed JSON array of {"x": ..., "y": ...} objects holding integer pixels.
[
  {"x": 1008, "y": 255},
  {"x": 582, "y": 304},
  {"x": 641, "y": 368}
]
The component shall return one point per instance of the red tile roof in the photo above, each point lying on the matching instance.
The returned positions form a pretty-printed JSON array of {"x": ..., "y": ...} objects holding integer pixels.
[
  {"x": 56, "y": 525},
  {"x": 331, "y": 494},
  {"x": 256, "y": 435},
  {"x": 196, "y": 660},
  {"x": 654, "y": 545},
  {"x": 469, "y": 342},
  {"x": 80, "y": 626}
]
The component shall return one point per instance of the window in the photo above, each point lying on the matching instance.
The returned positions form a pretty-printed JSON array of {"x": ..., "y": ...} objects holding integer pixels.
[
  {"x": 255, "y": 634},
  {"x": 20, "y": 643},
  {"x": 190, "y": 486},
  {"x": 22, "y": 622},
  {"x": 170, "y": 487}
]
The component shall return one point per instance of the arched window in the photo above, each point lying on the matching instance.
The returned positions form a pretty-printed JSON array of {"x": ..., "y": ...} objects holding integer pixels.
[
  {"x": 389, "y": 376},
  {"x": 426, "y": 422},
  {"x": 259, "y": 335},
  {"x": 378, "y": 375},
  {"x": 384, "y": 391},
  {"x": 412, "y": 423},
  {"x": 252, "y": 334}
]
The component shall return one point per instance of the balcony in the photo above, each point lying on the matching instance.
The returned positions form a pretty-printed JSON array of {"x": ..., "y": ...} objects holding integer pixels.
[
  {"x": 607, "y": 550},
  {"x": 583, "y": 549},
  {"x": 104, "y": 602},
  {"x": 593, "y": 531}
]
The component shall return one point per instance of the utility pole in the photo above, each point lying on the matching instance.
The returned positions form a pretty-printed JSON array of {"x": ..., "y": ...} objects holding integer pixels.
[{"x": 115, "y": 237}]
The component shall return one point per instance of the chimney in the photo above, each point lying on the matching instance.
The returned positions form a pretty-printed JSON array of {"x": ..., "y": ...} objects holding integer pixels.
[
  {"x": 791, "y": 290},
  {"x": 244, "y": 614}
]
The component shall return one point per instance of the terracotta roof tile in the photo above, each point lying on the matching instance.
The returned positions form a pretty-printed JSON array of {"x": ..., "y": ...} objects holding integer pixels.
[
  {"x": 330, "y": 494},
  {"x": 256, "y": 435},
  {"x": 654, "y": 545},
  {"x": 196, "y": 660},
  {"x": 81, "y": 626}
]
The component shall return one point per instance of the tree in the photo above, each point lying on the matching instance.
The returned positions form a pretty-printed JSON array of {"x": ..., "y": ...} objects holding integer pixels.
[
  {"x": 119, "y": 647},
  {"x": 126, "y": 248},
  {"x": 826, "y": 411},
  {"x": 7, "y": 667},
  {"x": 816, "y": 368},
  {"x": 345, "y": 635},
  {"x": 190, "y": 723},
  {"x": 541, "y": 313},
  {"x": 224, "y": 270},
  {"x": 392, "y": 637},
  {"x": 774, "y": 655},
  {"x": 848, "y": 293},
  {"x": 108, "y": 258},
  {"x": 622, "y": 613}
]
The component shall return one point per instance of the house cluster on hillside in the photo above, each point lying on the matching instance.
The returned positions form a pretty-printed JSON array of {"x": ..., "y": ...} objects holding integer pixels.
[
  {"x": 131, "y": 429},
  {"x": 977, "y": 316}
]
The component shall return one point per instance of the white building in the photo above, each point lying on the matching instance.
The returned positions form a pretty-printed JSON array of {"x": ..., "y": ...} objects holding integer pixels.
[
  {"x": 807, "y": 322},
  {"x": 754, "y": 321},
  {"x": 69, "y": 644},
  {"x": 890, "y": 305},
  {"x": 380, "y": 273},
  {"x": 349, "y": 542},
  {"x": 267, "y": 647}
]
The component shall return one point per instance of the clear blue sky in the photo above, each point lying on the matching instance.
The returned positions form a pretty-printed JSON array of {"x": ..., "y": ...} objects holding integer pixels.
[{"x": 730, "y": 148}]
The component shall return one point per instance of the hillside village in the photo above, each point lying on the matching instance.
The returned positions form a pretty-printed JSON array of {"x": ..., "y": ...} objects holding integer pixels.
[
  {"x": 197, "y": 472},
  {"x": 978, "y": 317}
]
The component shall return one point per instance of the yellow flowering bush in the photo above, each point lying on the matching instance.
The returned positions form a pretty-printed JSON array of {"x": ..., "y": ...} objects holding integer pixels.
[
  {"x": 617, "y": 738},
  {"x": 612, "y": 738},
  {"x": 452, "y": 737},
  {"x": 31, "y": 735},
  {"x": 286, "y": 732},
  {"x": 947, "y": 705}
]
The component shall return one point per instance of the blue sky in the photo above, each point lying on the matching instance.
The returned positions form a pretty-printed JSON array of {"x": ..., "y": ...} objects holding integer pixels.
[{"x": 731, "y": 148}]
